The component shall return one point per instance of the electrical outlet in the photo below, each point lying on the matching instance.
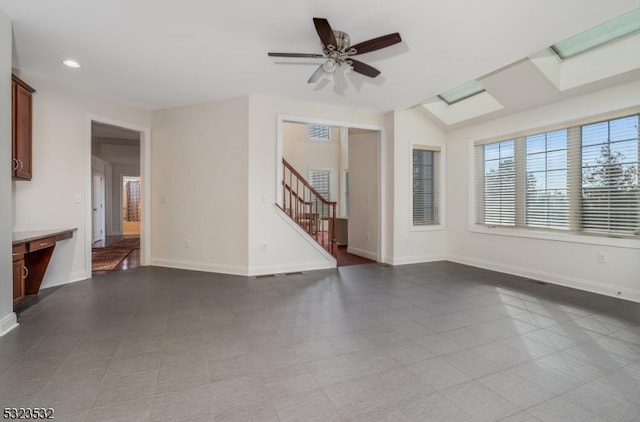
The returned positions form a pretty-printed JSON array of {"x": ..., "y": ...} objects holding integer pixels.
[
  {"x": 263, "y": 246},
  {"x": 602, "y": 257},
  {"x": 187, "y": 243}
]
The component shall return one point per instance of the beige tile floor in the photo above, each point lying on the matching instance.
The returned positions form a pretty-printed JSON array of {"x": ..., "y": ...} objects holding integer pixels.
[{"x": 427, "y": 342}]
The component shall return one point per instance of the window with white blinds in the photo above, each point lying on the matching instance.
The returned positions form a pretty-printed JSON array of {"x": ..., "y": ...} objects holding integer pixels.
[
  {"x": 320, "y": 180},
  {"x": 426, "y": 203},
  {"x": 319, "y": 132},
  {"x": 582, "y": 178}
]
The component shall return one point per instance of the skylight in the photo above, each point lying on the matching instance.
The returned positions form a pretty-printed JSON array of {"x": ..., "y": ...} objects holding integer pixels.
[
  {"x": 461, "y": 92},
  {"x": 599, "y": 35}
]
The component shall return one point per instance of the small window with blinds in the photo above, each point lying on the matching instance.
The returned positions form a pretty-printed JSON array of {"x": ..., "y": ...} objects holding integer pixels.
[
  {"x": 426, "y": 209},
  {"x": 320, "y": 180},
  {"x": 582, "y": 179},
  {"x": 319, "y": 132}
]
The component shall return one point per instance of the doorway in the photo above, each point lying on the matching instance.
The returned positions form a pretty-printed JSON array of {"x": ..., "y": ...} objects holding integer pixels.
[
  {"x": 97, "y": 204},
  {"x": 351, "y": 156},
  {"x": 131, "y": 209},
  {"x": 117, "y": 194}
]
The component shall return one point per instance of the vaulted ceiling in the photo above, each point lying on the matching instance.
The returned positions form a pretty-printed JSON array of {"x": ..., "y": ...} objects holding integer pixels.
[{"x": 158, "y": 54}]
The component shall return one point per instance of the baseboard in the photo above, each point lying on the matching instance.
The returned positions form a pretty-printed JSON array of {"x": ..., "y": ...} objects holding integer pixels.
[
  {"x": 281, "y": 269},
  {"x": 417, "y": 259},
  {"x": 8, "y": 323},
  {"x": 361, "y": 252},
  {"x": 199, "y": 266},
  {"x": 60, "y": 280},
  {"x": 561, "y": 280}
]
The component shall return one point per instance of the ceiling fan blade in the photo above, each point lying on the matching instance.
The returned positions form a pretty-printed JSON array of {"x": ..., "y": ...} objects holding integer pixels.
[
  {"x": 316, "y": 75},
  {"x": 377, "y": 43},
  {"x": 325, "y": 32},
  {"x": 303, "y": 55},
  {"x": 364, "y": 68}
]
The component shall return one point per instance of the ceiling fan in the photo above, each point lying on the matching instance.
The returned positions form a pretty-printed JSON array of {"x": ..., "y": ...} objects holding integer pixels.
[{"x": 338, "y": 51}]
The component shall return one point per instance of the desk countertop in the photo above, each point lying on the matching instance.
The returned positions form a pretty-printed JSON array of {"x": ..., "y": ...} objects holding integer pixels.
[{"x": 28, "y": 236}]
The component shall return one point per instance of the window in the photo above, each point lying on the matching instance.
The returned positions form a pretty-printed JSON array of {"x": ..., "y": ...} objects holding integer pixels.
[
  {"x": 320, "y": 180},
  {"x": 610, "y": 192},
  {"x": 319, "y": 132},
  {"x": 426, "y": 210},
  {"x": 546, "y": 184},
  {"x": 462, "y": 92},
  {"x": 582, "y": 178},
  {"x": 619, "y": 27}
]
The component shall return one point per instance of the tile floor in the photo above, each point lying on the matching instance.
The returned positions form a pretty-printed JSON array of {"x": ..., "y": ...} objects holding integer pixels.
[{"x": 427, "y": 342}]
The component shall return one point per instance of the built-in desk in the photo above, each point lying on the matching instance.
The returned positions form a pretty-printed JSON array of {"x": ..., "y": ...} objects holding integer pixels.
[{"x": 32, "y": 252}]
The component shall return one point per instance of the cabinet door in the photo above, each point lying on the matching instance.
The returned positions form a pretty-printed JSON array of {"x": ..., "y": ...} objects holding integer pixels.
[
  {"x": 22, "y": 132},
  {"x": 18, "y": 281}
]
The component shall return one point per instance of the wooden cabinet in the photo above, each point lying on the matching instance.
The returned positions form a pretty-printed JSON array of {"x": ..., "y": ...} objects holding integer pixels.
[
  {"x": 21, "y": 109},
  {"x": 19, "y": 273},
  {"x": 32, "y": 252}
]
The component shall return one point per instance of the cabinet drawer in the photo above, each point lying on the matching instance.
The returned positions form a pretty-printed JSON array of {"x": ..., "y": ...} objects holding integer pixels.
[
  {"x": 19, "y": 251},
  {"x": 36, "y": 245}
]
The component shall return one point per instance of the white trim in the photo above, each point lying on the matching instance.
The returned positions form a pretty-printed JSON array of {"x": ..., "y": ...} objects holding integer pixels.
[
  {"x": 59, "y": 281},
  {"x": 428, "y": 228},
  {"x": 200, "y": 266},
  {"x": 299, "y": 266},
  {"x": 145, "y": 175},
  {"x": 8, "y": 323},
  {"x": 561, "y": 280},
  {"x": 415, "y": 259},
  {"x": 382, "y": 167},
  {"x": 570, "y": 237},
  {"x": 361, "y": 252}
]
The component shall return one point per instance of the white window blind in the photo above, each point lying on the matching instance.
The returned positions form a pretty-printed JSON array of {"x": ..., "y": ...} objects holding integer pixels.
[
  {"x": 610, "y": 192},
  {"x": 319, "y": 132},
  {"x": 320, "y": 180},
  {"x": 582, "y": 178},
  {"x": 426, "y": 203},
  {"x": 547, "y": 200},
  {"x": 496, "y": 182}
]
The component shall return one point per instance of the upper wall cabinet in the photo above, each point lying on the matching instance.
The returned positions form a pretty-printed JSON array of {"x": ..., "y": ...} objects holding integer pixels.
[{"x": 21, "y": 95}]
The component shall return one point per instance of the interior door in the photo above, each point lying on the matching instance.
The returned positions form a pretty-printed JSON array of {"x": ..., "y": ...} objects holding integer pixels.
[{"x": 97, "y": 201}]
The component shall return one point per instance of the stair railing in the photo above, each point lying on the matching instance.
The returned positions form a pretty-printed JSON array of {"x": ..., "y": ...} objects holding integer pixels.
[{"x": 308, "y": 208}]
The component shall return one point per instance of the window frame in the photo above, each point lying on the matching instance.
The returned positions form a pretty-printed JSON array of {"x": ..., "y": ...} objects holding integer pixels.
[
  {"x": 310, "y": 128},
  {"x": 439, "y": 183},
  {"x": 541, "y": 232}
]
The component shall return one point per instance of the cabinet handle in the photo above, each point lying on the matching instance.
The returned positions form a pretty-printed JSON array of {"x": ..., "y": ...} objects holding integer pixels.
[
  {"x": 21, "y": 164},
  {"x": 25, "y": 271},
  {"x": 16, "y": 164}
]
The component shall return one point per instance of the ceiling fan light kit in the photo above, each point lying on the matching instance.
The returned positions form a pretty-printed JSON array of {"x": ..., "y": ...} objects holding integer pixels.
[{"x": 338, "y": 52}]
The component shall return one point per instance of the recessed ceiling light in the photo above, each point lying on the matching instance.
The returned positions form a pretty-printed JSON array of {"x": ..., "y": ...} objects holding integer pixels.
[{"x": 71, "y": 63}]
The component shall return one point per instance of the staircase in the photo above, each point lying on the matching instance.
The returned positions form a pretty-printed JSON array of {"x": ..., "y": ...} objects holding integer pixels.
[{"x": 306, "y": 206}]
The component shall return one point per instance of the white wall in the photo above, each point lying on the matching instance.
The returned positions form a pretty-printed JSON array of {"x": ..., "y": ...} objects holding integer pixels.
[
  {"x": 304, "y": 154},
  {"x": 7, "y": 317},
  {"x": 421, "y": 243},
  {"x": 60, "y": 152},
  {"x": 199, "y": 192},
  {"x": 364, "y": 203},
  {"x": 285, "y": 250},
  {"x": 571, "y": 262}
]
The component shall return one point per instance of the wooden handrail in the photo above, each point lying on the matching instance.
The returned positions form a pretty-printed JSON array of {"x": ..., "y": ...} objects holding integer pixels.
[
  {"x": 307, "y": 184},
  {"x": 298, "y": 189}
]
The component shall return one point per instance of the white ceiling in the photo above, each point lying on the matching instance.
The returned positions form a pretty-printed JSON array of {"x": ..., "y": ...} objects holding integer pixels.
[{"x": 159, "y": 53}]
